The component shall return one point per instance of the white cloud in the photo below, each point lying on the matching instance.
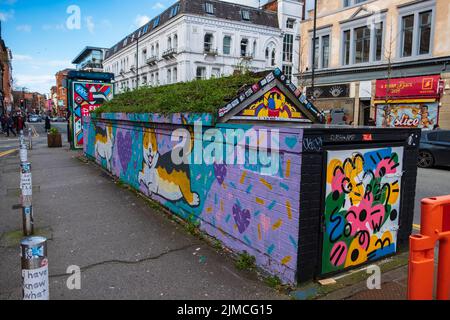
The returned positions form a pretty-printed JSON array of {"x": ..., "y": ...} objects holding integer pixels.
[
  {"x": 90, "y": 25},
  {"x": 6, "y": 15},
  {"x": 158, "y": 6},
  {"x": 40, "y": 83},
  {"x": 22, "y": 57},
  {"x": 24, "y": 28},
  {"x": 141, "y": 20}
]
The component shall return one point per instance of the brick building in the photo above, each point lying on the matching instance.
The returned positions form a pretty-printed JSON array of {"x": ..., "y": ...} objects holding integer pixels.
[
  {"x": 60, "y": 92},
  {"x": 6, "y": 83}
]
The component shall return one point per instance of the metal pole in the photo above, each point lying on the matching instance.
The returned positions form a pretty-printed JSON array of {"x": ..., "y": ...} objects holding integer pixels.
[
  {"x": 313, "y": 75},
  {"x": 35, "y": 284},
  {"x": 26, "y": 185}
]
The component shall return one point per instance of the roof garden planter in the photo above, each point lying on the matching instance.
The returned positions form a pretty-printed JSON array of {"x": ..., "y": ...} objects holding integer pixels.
[{"x": 54, "y": 139}]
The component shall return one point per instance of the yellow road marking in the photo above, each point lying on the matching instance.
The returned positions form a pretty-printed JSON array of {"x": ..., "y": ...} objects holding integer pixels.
[
  {"x": 416, "y": 227},
  {"x": 5, "y": 153}
]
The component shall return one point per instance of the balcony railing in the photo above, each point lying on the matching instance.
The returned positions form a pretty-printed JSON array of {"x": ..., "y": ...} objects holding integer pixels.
[
  {"x": 247, "y": 56},
  {"x": 152, "y": 60},
  {"x": 169, "y": 54},
  {"x": 210, "y": 52}
]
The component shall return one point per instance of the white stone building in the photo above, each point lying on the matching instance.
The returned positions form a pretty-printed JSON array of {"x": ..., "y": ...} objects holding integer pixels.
[{"x": 207, "y": 38}]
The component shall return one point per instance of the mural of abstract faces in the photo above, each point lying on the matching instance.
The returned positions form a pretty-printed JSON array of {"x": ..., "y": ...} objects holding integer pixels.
[
  {"x": 273, "y": 105},
  {"x": 362, "y": 206}
]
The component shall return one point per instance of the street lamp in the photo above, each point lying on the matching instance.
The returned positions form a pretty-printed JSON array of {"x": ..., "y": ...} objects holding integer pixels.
[{"x": 313, "y": 75}]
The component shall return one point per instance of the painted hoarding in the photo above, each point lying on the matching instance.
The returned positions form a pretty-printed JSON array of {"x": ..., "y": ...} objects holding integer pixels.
[
  {"x": 362, "y": 206},
  {"x": 86, "y": 97},
  {"x": 423, "y": 116}
]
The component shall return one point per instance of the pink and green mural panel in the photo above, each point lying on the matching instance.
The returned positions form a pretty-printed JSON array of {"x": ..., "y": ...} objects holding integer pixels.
[{"x": 247, "y": 207}]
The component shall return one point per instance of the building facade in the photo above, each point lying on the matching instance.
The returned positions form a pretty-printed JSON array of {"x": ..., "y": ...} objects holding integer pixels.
[
  {"x": 199, "y": 39},
  {"x": 368, "y": 52},
  {"x": 61, "y": 93},
  {"x": 6, "y": 81},
  {"x": 90, "y": 59},
  {"x": 29, "y": 102}
]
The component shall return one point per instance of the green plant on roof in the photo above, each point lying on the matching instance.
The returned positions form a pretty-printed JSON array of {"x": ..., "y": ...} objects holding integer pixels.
[
  {"x": 54, "y": 131},
  {"x": 198, "y": 96}
]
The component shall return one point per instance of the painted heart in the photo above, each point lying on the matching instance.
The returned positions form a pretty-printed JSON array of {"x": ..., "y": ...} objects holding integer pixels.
[
  {"x": 124, "y": 148},
  {"x": 241, "y": 217},
  {"x": 291, "y": 142},
  {"x": 220, "y": 170}
]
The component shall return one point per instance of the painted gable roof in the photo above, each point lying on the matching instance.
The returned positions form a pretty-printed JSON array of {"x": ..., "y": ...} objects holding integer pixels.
[{"x": 273, "y": 98}]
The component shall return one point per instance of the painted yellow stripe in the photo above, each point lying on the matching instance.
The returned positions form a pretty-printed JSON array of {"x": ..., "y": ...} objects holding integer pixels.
[
  {"x": 244, "y": 175},
  {"x": 288, "y": 169},
  {"x": 289, "y": 209},
  {"x": 266, "y": 184},
  {"x": 5, "y": 153}
]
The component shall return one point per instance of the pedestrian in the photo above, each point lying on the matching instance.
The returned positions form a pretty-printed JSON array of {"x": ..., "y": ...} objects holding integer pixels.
[
  {"x": 3, "y": 122},
  {"x": 20, "y": 123},
  {"x": 48, "y": 125},
  {"x": 10, "y": 126}
]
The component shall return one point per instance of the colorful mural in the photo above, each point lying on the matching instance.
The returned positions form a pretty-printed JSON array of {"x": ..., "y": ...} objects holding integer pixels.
[
  {"x": 424, "y": 116},
  {"x": 87, "y": 96},
  {"x": 362, "y": 206},
  {"x": 272, "y": 106},
  {"x": 237, "y": 204}
]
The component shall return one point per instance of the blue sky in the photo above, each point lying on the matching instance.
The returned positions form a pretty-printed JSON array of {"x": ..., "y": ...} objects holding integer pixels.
[{"x": 42, "y": 44}]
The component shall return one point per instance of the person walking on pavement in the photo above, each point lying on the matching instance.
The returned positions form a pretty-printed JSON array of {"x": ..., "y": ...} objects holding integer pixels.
[
  {"x": 20, "y": 123},
  {"x": 10, "y": 126},
  {"x": 3, "y": 122},
  {"x": 48, "y": 125}
]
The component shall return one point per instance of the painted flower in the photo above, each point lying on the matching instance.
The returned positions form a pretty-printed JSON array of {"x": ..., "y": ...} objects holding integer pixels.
[
  {"x": 365, "y": 219},
  {"x": 385, "y": 167},
  {"x": 345, "y": 178}
]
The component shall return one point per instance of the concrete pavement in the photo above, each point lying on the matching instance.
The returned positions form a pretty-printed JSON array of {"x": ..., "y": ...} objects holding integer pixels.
[{"x": 126, "y": 250}]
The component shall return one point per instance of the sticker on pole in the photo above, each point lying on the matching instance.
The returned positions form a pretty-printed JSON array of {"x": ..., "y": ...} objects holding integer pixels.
[
  {"x": 23, "y": 155},
  {"x": 35, "y": 284},
  {"x": 26, "y": 184}
]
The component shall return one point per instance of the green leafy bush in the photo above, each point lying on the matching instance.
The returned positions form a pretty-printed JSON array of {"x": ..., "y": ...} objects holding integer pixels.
[
  {"x": 245, "y": 262},
  {"x": 198, "y": 96},
  {"x": 54, "y": 131}
]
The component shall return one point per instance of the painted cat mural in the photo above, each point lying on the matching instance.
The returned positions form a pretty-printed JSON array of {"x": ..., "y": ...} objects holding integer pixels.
[
  {"x": 161, "y": 177},
  {"x": 104, "y": 142}
]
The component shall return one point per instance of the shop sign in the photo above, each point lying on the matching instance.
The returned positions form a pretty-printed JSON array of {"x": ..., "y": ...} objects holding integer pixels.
[
  {"x": 332, "y": 91},
  {"x": 427, "y": 86}
]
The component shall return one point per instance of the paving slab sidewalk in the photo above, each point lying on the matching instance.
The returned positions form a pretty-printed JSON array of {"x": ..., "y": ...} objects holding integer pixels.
[{"x": 126, "y": 249}]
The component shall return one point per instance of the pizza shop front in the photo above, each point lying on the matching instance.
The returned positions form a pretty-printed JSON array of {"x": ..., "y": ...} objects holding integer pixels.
[{"x": 408, "y": 102}]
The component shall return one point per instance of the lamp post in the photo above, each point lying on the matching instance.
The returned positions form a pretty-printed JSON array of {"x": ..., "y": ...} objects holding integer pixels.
[{"x": 313, "y": 75}]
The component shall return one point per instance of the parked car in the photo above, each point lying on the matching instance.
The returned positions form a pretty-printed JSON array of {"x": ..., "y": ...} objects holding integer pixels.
[
  {"x": 434, "y": 149},
  {"x": 54, "y": 119},
  {"x": 61, "y": 119},
  {"x": 35, "y": 118}
]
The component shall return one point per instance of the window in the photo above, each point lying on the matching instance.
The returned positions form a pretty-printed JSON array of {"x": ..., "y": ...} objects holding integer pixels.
[
  {"x": 378, "y": 41},
  {"x": 169, "y": 76},
  {"x": 175, "y": 75},
  {"x": 201, "y": 73},
  {"x": 273, "y": 57},
  {"x": 325, "y": 51},
  {"x": 157, "y": 78},
  {"x": 347, "y": 46},
  {"x": 144, "y": 55},
  {"x": 208, "y": 43},
  {"x": 245, "y": 14},
  {"x": 254, "y": 48},
  {"x": 169, "y": 43},
  {"x": 215, "y": 73},
  {"x": 316, "y": 53},
  {"x": 244, "y": 45},
  {"x": 209, "y": 8},
  {"x": 153, "y": 50},
  {"x": 349, "y": 3},
  {"x": 144, "y": 31},
  {"x": 288, "y": 47},
  {"x": 157, "y": 49},
  {"x": 267, "y": 53},
  {"x": 125, "y": 42},
  {"x": 425, "y": 32},
  {"x": 362, "y": 44},
  {"x": 175, "y": 42},
  {"x": 287, "y": 70},
  {"x": 156, "y": 22},
  {"x": 174, "y": 10},
  {"x": 227, "y": 45},
  {"x": 290, "y": 23},
  {"x": 407, "y": 35}
]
